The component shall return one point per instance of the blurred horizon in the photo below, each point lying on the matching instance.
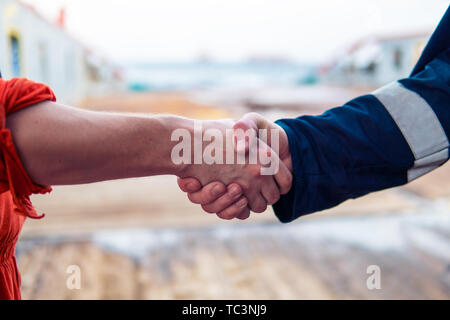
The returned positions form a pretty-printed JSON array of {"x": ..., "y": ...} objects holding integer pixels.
[{"x": 234, "y": 31}]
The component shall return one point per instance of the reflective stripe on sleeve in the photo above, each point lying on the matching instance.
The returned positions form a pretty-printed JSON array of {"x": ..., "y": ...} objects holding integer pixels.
[{"x": 419, "y": 125}]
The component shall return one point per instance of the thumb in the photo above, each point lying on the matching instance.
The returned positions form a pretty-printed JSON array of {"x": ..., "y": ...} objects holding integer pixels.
[
  {"x": 241, "y": 133},
  {"x": 256, "y": 121},
  {"x": 189, "y": 184}
]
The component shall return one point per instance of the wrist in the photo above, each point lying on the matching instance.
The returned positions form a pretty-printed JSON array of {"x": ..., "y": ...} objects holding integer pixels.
[{"x": 170, "y": 124}]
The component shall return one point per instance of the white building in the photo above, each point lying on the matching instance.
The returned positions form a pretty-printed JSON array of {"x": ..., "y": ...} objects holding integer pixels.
[
  {"x": 377, "y": 60},
  {"x": 32, "y": 47}
]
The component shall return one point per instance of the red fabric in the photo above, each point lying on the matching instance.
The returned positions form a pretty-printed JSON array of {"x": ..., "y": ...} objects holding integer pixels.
[{"x": 15, "y": 184}]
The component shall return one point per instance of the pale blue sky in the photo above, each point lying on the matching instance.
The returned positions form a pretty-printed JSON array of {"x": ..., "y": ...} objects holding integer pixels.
[{"x": 309, "y": 31}]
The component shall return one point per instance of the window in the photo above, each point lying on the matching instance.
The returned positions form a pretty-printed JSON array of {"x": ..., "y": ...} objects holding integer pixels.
[
  {"x": 14, "y": 41},
  {"x": 43, "y": 62},
  {"x": 398, "y": 57},
  {"x": 70, "y": 67}
]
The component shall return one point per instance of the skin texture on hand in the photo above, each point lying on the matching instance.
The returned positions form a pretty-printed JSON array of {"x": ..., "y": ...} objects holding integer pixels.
[
  {"x": 259, "y": 190},
  {"x": 222, "y": 202}
]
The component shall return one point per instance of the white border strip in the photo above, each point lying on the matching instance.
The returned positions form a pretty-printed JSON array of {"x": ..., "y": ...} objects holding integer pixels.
[{"x": 419, "y": 125}]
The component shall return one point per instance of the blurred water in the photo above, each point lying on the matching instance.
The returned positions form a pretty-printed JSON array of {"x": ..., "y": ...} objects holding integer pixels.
[
  {"x": 426, "y": 229},
  {"x": 310, "y": 258},
  {"x": 195, "y": 75}
]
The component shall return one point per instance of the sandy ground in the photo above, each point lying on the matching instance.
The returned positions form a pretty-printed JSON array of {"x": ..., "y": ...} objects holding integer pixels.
[
  {"x": 193, "y": 255},
  {"x": 314, "y": 259},
  {"x": 173, "y": 103}
]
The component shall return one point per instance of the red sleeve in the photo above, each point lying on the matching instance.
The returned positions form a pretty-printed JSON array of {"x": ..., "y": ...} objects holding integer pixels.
[{"x": 15, "y": 95}]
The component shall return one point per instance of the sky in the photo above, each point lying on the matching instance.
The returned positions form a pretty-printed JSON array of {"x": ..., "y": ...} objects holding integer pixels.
[{"x": 232, "y": 30}]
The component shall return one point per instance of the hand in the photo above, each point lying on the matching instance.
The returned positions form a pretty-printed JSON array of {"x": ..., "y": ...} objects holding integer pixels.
[
  {"x": 213, "y": 198},
  {"x": 259, "y": 190}
]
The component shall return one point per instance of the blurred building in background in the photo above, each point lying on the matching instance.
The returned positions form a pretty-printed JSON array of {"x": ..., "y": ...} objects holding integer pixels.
[
  {"x": 376, "y": 60},
  {"x": 43, "y": 51}
]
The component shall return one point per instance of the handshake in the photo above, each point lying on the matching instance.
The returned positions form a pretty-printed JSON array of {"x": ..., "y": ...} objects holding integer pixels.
[{"x": 245, "y": 166}]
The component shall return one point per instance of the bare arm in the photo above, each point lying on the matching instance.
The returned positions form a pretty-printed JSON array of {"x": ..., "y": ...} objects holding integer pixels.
[{"x": 61, "y": 145}]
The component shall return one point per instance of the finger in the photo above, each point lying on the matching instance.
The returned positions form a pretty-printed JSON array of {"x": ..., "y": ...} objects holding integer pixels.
[
  {"x": 189, "y": 184},
  {"x": 251, "y": 121},
  {"x": 208, "y": 193},
  {"x": 234, "y": 192},
  {"x": 257, "y": 203},
  {"x": 258, "y": 122},
  {"x": 275, "y": 167},
  {"x": 283, "y": 178},
  {"x": 270, "y": 192},
  {"x": 234, "y": 210},
  {"x": 245, "y": 214},
  {"x": 240, "y": 132},
  {"x": 248, "y": 121}
]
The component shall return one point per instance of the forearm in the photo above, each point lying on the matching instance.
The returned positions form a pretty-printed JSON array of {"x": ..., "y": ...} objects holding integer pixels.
[
  {"x": 374, "y": 142},
  {"x": 345, "y": 153},
  {"x": 60, "y": 145}
]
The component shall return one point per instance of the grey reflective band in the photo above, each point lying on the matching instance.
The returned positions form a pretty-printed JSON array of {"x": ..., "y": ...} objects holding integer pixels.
[{"x": 419, "y": 125}]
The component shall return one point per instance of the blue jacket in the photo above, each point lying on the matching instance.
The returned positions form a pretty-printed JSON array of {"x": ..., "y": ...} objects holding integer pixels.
[{"x": 376, "y": 141}]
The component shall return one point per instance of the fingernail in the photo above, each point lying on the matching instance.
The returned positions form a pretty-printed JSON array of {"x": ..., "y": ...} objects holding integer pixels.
[
  {"x": 216, "y": 190},
  {"x": 234, "y": 191},
  {"x": 242, "y": 203}
]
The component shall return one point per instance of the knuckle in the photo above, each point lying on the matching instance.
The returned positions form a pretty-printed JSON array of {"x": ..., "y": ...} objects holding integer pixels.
[
  {"x": 206, "y": 198},
  {"x": 225, "y": 215},
  {"x": 255, "y": 170},
  {"x": 245, "y": 184},
  {"x": 229, "y": 200},
  {"x": 193, "y": 198},
  {"x": 287, "y": 186},
  {"x": 244, "y": 215},
  {"x": 252, "y": 115},
  {"x": 274, "y": 198},
  {"x": 289, "y": 179},
  {"x": 260, "y": 208},
  {"x": 222, "y": 205},
  {"x": 208, "y": 209}
]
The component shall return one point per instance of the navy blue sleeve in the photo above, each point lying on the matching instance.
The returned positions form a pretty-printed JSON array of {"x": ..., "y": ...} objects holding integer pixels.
[
  {"x": 433, "y": 85},
  {"x": 344, "y": 153},
  {"x": 358, "y": 148}
]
